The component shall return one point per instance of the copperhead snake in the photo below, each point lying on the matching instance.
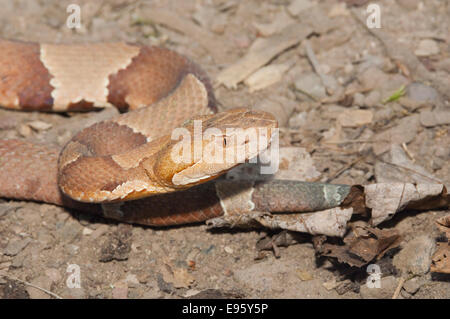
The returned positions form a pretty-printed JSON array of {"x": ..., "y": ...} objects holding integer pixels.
[{"x": 120, "y": 167}]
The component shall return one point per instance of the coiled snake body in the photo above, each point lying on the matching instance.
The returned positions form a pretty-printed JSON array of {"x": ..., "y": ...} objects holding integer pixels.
[{"x": 115, "y": 166}]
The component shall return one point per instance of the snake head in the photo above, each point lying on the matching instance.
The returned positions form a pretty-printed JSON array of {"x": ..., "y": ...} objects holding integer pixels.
[{"x": 210, "y": 145}]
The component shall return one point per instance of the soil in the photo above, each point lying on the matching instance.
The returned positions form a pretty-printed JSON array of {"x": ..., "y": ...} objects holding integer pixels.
[{"x": 39, "y": 242}]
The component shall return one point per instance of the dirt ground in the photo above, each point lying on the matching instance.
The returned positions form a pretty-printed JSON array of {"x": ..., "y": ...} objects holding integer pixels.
[{"x": 40, "y": 243}]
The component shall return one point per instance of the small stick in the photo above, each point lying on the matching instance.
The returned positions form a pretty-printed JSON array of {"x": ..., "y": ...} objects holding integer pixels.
[
  {"x": 34, "y": 286},
  {"x": 399, "y": 288}
]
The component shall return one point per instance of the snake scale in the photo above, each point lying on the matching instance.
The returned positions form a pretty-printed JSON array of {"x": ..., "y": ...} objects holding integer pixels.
[{"x": 121, "y": 167}]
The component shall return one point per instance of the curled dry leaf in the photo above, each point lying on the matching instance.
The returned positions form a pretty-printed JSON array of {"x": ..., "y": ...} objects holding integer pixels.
[{"x": 386, "y": 199}]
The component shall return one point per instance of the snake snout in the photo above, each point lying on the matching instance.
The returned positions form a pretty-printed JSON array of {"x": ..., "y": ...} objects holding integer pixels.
[{"x": 214, "y": 145}]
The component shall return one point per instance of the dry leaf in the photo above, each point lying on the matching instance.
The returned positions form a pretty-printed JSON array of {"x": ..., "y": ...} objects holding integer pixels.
[
  {"x": 362, "y": 245},
  {"x": 386, "y": 199}
]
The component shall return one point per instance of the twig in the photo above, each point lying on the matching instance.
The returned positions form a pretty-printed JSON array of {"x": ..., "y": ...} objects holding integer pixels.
[
  {"x": 399, "y": 288},
  {"x": 346, "y": 167},
  {"x": 405, "y": 148},
  {"x": 316, "y": 66},
  {"x": 34, "y": 286}
]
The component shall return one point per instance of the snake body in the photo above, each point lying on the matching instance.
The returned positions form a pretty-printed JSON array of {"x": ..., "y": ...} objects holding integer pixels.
[{"x": 115, "y": 165}]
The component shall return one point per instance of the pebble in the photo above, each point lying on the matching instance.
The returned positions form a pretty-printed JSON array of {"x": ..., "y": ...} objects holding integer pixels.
[
  {"x": 298, "y": 120},
  {"x": 228, "y": 250},
  {"x": 427, "y": 47},
  {"x": 73, "y": 293},
  {"x": 298, "y": 6},
  {"x": 311, "y": 85},
  {"x": 72, "y": 249},
  {"x": 53, "y": 274},
  {"x": 120, "y": 290},
  {"x": 16, "y": 246},
  {"x": 39, "y": 125},
  {"x": 409, "y": 4},
  {"x": 132, "y": 280},
  {"x": 386, "y": 291},
  {"x": 358, "y": 99},
  {"x": 415, "y": 257},
  {"x": 24, "y": 130},
  {"x": 419, "y": 92},
  {"x": 413, "y": 285},
  {"x": 87, "y": 231},
  {"x": 372, "y": 99}
]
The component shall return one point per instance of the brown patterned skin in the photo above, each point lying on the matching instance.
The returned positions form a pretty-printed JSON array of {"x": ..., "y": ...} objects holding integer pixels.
[{"x": 120, "y": 162}]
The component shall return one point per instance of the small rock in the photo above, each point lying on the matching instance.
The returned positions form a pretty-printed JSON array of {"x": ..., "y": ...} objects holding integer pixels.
[
  {"x": 405, "y": 294},
  {"x": 339, "y": 9},
  {"x": 228, "y": 250},
  {"x": 427, "y": 47},
  {"x": 87, "y": 231},
  {"x": 70, "y": 231},
  {"x": 298, "y": 120},
  {"x": 330, "y": 285},
  {"x": 53, "y": 274},
  {"x": 298, "y": 6},
  {"x": 266, "y": 76},
  {"x": 358, "y": 99},
  {"x": 386, "y": 290},
  {"x": 73, "y": 293},
  {"x": 16, "y": 246},
  {"x": 99, "y": 232},
  {"x": 72, "y": 249},
  {"x": 304, "y": 275},
  {"x": 409, "y": 4},
  {"x": 421, "y": 93},
  {"x": 24, "y": 130},
  {"x": 18, "y": 260},
  {"x": 355, "y": 118},
  {"x": 311, "y": 85},
  {"x": 120, "y": 290},
  {"x": 434, "y": 118},
  {"x": 372, "y": 99},
  {"x": 415, "y": 257},
  {"x": 413, "y": 285},
  {"x": 39, "y": 125},
  {"x": 132, "y": 280}
]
